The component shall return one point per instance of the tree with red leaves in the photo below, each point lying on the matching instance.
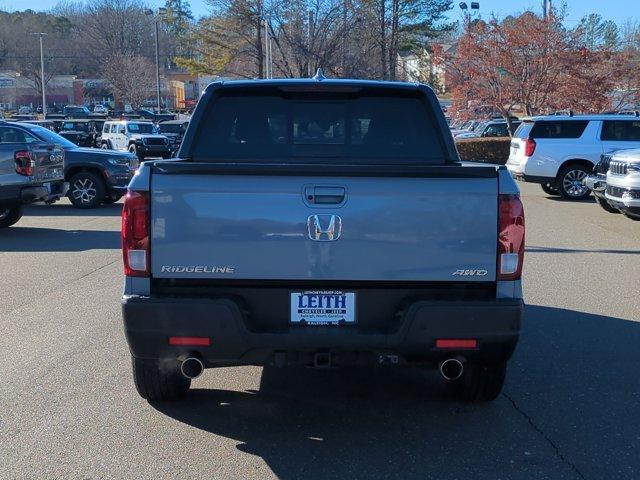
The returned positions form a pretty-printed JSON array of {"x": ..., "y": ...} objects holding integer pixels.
[{"x": 530, "y": 62}]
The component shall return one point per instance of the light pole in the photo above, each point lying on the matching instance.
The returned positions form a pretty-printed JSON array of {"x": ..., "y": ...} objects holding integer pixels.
[
  {"x": 44, "y": 98},
  {"x": 268, "y": 50},
  {"x": 468, "y": 9},
  {"x": 161, "y": 12},
  {"x": 546, "y": 9}
]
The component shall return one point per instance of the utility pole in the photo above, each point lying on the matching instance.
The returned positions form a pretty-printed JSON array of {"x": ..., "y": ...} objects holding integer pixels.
[
  {"x": 268, "y": 60},
  {"x": 157, "y": 20},
  {"x": 310, "y": 34},
  {"x": 157, "y": 69},
  {"x": 44, "y": 98},
  {"x": 546, "y": 9}
]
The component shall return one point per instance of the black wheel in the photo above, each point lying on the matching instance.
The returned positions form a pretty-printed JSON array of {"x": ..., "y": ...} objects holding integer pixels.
[
  {"x": 606, "y": 205},
  {"x": 113, "y": 198},
  {"x": 570, "y": 183},
  {"x": 480, "y": 383},
  {"x": 86, "y": 190},
  {"x": 10, "y": 215},
  {"x": 105, "y": 146},
  {"x": 549, "y": 189},
  {"x": 133, "y": 149},
  {"x": 159, "y": 380}
]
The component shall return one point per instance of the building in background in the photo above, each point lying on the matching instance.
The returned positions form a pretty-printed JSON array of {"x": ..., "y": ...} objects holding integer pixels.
[{"x": 426, "y": 66}]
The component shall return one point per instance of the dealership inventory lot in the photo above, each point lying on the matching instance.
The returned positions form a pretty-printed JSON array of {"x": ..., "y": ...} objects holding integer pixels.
[{"x": 569, "y": 408}]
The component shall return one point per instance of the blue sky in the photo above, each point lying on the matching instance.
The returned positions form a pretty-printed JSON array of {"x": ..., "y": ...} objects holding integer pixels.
[{"x": 617, "y": 10}]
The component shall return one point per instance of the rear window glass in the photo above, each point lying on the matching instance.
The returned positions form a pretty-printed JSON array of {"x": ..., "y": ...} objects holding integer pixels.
[
  {"x": 523, "y": 130},
  {"x": 558, "y": 129},
  {"x": 391, "y": 129},
  {"x": 621, "y": 131}
]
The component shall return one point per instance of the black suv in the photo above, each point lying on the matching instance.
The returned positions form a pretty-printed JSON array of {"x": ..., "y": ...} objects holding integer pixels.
[
  {"x": 81, "y": 132},
  {"x": 174, "y": 130},
  {"x": 75, "y": 111}
]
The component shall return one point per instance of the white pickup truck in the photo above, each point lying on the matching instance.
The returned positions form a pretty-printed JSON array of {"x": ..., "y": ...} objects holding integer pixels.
[{"x": 321, "y": 223}]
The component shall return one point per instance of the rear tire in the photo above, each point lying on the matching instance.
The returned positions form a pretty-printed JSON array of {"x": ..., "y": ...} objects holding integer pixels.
[
  {"x": 606, "y": 205},
  {"x": 549, "y": 189},
  {"x": 480, "y": 383},
  {"x": 10, "y": 215},
  {"x": 570, "y": 184},
  {"x": 159, "y": 380}
]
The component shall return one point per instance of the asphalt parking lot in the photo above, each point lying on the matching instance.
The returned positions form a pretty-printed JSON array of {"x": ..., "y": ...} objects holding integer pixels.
[{"x": 570, "y": 408}]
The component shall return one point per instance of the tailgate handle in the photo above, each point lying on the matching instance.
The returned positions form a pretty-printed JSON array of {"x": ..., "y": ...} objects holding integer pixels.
[{"x": 325, "y": 195}]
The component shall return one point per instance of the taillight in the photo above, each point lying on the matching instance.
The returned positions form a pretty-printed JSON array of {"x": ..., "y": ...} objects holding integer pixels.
[
  {"x": 24, "y": 162},
  {"x": 510, "y": 237},
  {"x": 529, "y": 147},
  {"x": 135, "y": 234}
]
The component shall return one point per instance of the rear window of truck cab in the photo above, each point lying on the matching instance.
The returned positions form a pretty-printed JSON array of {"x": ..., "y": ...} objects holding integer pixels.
[{"x": 385, "y": 128}]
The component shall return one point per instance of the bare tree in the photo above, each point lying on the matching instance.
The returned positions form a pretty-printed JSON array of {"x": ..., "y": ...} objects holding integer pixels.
[
  {"x": 109, "y": 27},
  {"x": 131, "y": 78}
]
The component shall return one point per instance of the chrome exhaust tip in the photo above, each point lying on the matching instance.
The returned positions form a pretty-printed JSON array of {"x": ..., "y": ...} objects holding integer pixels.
[
  {"x": 191, "y": 367},
  {"x": 451, "y": 369}
]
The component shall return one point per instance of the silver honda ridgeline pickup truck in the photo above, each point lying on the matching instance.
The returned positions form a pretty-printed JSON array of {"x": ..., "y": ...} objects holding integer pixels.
[{"x": 321, "y": 223}]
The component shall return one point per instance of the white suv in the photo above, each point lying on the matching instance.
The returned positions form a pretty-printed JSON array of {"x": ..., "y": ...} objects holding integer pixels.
[
  {"x": 135, "y": 136},
  {"x": 558, "y": 152}
]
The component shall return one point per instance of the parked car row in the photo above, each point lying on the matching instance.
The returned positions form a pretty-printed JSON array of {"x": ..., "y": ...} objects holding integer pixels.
[
  {"x": 37, "y": 164},
  {"x": 495, "y": 127},
  {"x": 93, "y": 133}
]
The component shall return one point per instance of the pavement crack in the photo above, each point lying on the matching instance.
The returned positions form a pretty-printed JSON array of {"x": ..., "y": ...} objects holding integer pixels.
[
  {"x": 548, "y": 439},
  {"x": 94, "y": 270}
]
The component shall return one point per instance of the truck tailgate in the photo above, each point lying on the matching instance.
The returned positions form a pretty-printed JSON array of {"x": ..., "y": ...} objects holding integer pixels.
[
  {"x": 398, "y": 228},
  {"x": 49, "y": 161}
]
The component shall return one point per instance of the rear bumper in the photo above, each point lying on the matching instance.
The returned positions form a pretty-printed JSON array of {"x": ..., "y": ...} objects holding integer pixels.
[
  {"x": 149, "y": 322},
  {"x": 48, "y": 192},
  {"x": 521, "y": 177}
]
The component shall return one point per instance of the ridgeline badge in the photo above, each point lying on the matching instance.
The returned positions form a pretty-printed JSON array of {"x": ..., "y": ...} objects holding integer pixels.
[{"x": 197, "y": 269}]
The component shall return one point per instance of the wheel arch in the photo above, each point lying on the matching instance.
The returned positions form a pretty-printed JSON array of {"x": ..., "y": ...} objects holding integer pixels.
[
  {"x": 71, "y": 171},
  {"x": 578, "y": 161}
]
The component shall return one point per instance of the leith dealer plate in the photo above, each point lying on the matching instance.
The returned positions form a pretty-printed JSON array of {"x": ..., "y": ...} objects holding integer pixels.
[{"x": 323, "y": 307}]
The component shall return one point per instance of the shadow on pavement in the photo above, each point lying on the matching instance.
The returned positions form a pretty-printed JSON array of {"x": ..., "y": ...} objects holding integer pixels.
[
  {"x": 36, "y": 239},
  {"x": 570, "y": 404},
  {"x": 68, "y": 210},
  {"x": 558, "y": 198}
]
